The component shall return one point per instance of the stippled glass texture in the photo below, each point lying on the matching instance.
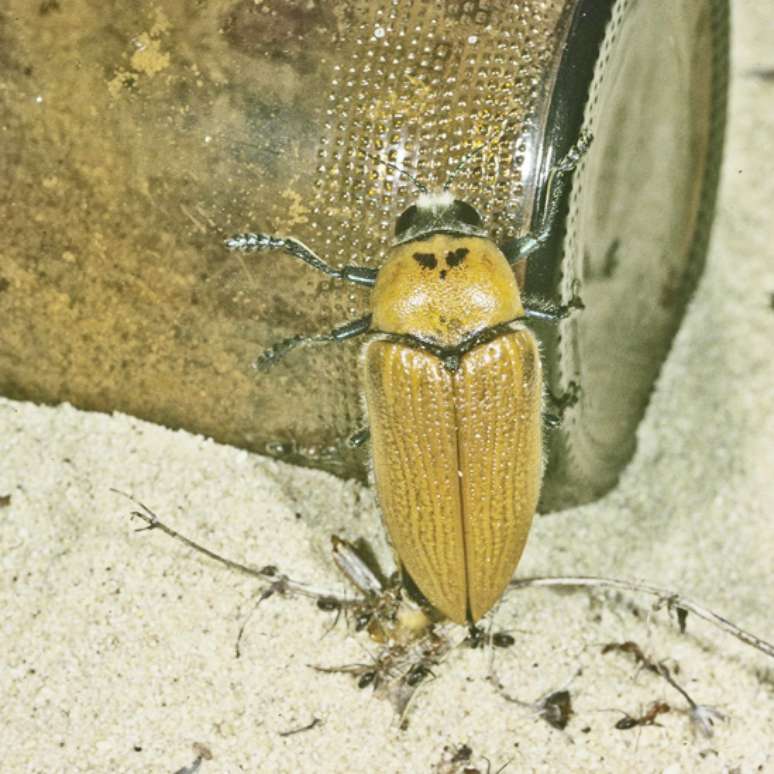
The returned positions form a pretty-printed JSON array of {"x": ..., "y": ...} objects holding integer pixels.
[{"x": 135, "y": 139}]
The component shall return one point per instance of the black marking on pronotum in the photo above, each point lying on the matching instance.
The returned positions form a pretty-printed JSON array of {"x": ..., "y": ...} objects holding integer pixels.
[
  {"x": 443, "y": 274},
  {"x": 426, "y": 260},
  {"x": 456, "y": 257}
]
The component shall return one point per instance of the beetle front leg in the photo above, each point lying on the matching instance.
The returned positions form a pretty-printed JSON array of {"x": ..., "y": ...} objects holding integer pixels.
[
  {"x": 558, "y": 181},
  {"x": 277, "y": 351},
  {"x": 250, "y": 243}
]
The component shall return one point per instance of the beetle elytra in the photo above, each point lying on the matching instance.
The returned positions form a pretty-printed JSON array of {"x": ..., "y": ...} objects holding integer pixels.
[{"x": 454, "y": 392}]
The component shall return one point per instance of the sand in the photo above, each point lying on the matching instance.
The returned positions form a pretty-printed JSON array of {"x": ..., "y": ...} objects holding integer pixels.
[{"x": 118, "y": 647}]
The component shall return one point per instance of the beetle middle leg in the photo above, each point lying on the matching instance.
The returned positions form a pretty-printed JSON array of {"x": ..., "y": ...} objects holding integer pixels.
[
  {"x": 341, "y": 333},
  {"x": 359, "y": 275}
]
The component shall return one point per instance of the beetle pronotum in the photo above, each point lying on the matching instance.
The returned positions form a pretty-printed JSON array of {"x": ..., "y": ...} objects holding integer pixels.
[{"x": 454, "y": 392}]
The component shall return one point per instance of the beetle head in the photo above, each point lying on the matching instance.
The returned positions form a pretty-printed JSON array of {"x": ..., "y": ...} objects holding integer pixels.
[{"x": 438, "y": 213}]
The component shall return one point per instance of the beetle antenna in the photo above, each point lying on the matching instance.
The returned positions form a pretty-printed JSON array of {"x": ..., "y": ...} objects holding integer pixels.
[
  {"x": 463, "y": 161},
  {"x": 420, "y": 186}
]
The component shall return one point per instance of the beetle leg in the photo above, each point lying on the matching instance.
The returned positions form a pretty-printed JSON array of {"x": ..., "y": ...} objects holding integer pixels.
[
  {"x": 552, "y": 313},
  {"x": 249, "y": 243},
  {"x": 277, "y": 351},
  {"x": 358, "y": 438},
  {"x": 560, "y": 404},
  {"x": 558, "y": 181}
]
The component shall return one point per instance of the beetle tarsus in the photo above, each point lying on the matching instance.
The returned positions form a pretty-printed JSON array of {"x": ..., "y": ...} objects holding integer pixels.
[
  {"x": 562, "y": 402},
  {"x": 575, "y": 154},
  {"x": 276, "y": 352},
  {"x": 250, "y": 243}
]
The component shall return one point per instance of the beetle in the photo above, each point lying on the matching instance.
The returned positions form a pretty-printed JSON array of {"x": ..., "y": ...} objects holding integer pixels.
[{"x": 453, "y": 390}]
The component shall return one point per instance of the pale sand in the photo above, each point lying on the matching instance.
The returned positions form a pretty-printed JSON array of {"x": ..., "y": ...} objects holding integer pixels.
[{"x": 118, "y": 648}]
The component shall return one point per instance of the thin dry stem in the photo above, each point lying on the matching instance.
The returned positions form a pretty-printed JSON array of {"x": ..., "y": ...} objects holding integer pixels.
[{"x": 672, "y": 600}]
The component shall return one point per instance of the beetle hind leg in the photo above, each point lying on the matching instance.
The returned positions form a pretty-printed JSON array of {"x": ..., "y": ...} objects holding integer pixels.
[
  {"x": 359, "y": 438},
  {"x": 560, "y": 404}
]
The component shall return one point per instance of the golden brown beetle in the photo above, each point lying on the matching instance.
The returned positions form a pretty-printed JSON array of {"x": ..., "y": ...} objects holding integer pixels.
[{"x": 453, "y": 387}]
